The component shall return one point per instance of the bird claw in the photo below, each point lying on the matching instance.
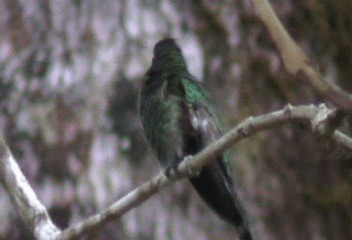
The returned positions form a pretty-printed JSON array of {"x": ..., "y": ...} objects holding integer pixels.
[
  {"x": 192, "y": 171},
  {"x": 172, "y": 171}
]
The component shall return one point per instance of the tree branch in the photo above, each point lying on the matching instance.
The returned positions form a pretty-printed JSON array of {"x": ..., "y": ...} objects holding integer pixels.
[
  {"x": 36, "y": 216},
  {"x": 296, "y": 61},
  {"x": 126, "y": 203},
  {"x": 245, "y": 129},
  {"x": 24, "y": 198}
]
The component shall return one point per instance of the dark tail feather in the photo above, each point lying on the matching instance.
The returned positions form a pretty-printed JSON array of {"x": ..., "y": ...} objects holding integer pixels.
[
  {"x": 246, "y": 235},
  {"x": 217, "y": 191}
]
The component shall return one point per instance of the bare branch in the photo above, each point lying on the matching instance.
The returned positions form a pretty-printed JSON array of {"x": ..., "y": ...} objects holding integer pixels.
[
  {"x": 296, "y": 61},
  {"x": 247, "y": 128},
  {"x": 253, "y": 125},
  {"x": 24, "y": 198},
  {"x": 327, "y": 120},
  {"x": 37, "y": 218},
  {"x": 126, "y": 203}
]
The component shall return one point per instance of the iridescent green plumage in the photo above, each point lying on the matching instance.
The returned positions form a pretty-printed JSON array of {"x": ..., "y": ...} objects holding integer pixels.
[{"x": 180, "y": 120}]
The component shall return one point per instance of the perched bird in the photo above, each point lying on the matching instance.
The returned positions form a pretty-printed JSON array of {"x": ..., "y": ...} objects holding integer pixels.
[{"x": 179, "y": 120}]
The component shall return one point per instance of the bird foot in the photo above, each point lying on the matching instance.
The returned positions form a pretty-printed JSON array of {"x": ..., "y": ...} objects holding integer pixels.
[
  {"x": 192, "y": 171},
  {"x": 172, "y": 171}
]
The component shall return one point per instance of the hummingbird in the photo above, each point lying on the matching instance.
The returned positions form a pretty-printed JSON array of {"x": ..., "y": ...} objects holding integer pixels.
[{"x": 179, "y": 120}]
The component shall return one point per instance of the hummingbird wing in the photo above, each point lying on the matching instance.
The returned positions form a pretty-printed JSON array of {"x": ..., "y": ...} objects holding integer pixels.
[{"x": 200, "y": 127}]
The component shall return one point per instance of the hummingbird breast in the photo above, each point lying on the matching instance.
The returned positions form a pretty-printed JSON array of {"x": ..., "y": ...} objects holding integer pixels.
[{"x": 161, "y": 113}]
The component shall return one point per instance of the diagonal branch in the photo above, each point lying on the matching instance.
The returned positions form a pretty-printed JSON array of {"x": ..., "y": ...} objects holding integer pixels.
[
  {"x": 245, "y": 129},
  {"x": 23, "y": 197},
  {"x": 126, "y": 203},
  {"x": 296, "y": 61},
  {"x": 37, "y": 218}
]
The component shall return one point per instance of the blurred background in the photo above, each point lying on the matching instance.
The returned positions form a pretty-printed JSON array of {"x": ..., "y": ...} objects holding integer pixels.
[{"x": 70, "y": 74}]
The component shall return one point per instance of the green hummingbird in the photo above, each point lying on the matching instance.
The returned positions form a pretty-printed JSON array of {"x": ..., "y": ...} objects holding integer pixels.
[{"x": 179, "y": 120}]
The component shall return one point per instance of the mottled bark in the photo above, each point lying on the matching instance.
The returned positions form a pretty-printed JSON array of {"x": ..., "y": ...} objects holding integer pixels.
[{"x": 70, "y": 75}]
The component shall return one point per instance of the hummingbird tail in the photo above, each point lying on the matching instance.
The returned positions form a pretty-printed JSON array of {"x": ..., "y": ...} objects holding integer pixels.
[
  {"x": 244, "y": 233},
  {"x": 217, "y": 192}
]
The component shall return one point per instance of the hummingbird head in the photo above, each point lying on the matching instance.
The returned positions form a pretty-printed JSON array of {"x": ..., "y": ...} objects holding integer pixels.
[
  {"x": 167, "y": 54},
  {"x": 167, "y": 46}
]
